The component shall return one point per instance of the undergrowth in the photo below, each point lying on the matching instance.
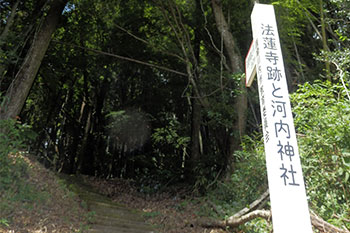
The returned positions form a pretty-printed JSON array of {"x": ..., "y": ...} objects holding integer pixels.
[
  {"x": 14, "y": 190},
  {"x": 32, "y": 198}
]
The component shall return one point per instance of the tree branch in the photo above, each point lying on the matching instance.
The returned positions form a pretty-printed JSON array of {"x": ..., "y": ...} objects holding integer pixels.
[
  {"x": 124, "y": 58},
  {"x": 324, "y": 226},
  {"x": 341, "y": 76},
  {"x": 162, "y": 49}
]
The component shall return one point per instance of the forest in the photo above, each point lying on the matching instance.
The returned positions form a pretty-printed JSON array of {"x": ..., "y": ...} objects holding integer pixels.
[{"x": 154, "y": 91}]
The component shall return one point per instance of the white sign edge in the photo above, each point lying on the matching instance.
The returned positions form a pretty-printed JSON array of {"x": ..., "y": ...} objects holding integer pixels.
[{"x": 250, "y": 73}]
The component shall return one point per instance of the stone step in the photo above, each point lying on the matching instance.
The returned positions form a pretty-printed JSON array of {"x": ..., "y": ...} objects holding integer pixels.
[
  {"x": 113, "y": 221},
  {"x": 116, "y": 213},
  {"x": 117, "y": 229}
]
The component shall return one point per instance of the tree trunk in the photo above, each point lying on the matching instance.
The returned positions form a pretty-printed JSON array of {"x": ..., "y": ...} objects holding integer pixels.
[
  {"x": 324, "y": 41},
  {"x": 19, "y": 89},
  {"x": 82, "y": 154},
  {"x": 236, "y": 65},
  {"x": 9, "y": 21},
  {"x": 195, "y": 137},
  {"x": 196, "y": 106},
  {"x": 235, "y": 58}
]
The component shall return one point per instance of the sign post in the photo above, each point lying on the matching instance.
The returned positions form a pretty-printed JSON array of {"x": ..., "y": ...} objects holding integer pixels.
[{"x": 290, "y": 212}]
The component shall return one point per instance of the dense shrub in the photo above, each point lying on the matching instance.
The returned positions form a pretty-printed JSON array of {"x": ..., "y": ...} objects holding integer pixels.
[{"x": 322, "y": 119}]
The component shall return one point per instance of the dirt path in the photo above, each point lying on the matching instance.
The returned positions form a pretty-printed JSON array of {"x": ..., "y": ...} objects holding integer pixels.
[{"x": 108, "y": 216}]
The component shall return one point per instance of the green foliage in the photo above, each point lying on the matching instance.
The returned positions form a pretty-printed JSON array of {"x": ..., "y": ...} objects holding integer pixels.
[
  {"x": 91, "y": 216},
  {"x": 257, "y": 225},
  {"x": 295, "y": 25},
  {"x": 245, "y": 185},
  {"x": 170, "y": 136},
  {"x": 250, "y": 178},
  {"x": 338, "y": 19},
  {"x": 340, "y": 58},
  {"x": 4, "y": 222},
  {"x": 170, "y": 144},
  {"x": 322, "y": 119},
  {"x": 12, "y": 139}
]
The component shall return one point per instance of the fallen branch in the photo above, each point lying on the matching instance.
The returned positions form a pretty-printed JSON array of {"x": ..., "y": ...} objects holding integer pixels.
[
  {"x": 324, "y": 226},
  {"x": 235, "y": 222},
  {"x": 253, "y": 206},
  {"x": 316, "y": 221}
]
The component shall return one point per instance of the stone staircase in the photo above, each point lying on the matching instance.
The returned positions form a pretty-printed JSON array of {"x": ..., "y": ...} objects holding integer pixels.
[{"x": 107, "y": 216}]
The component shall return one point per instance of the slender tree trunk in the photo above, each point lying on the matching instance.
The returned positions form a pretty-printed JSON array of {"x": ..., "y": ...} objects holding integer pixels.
[
  {"x": 82, "y": 154},
  {"x": 195, "y": 135},
  {"x": 196, "y": 105},
  {"x": 19, "y": 89},
  {"x": 324, "y": 41},
  {"x": 4, "y": 33}
]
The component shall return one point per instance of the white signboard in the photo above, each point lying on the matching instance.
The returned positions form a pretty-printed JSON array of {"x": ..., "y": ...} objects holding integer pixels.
[
  {"x": 250, "y": 64},
  {"x": 290, "y": 213}
]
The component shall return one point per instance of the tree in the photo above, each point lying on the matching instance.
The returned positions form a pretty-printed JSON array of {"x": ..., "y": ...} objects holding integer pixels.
[
  {"x": 138, "y": 64},
  {"x": 18, "y": 91},
  {"x": 235, "y": 66},
  {"x": 10, "y": 21}
]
